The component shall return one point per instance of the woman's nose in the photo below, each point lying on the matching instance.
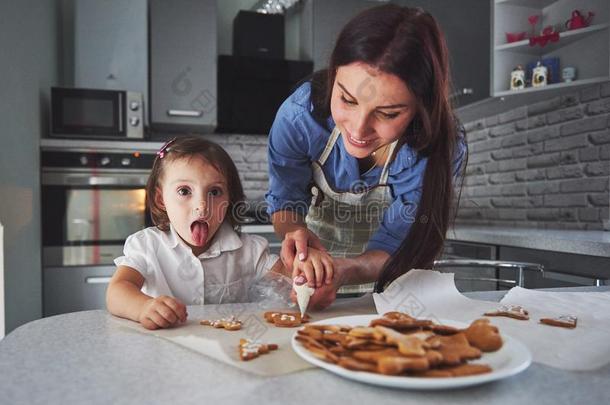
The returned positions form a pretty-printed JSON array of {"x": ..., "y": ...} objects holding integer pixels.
[{"x": 361, "y": 126}]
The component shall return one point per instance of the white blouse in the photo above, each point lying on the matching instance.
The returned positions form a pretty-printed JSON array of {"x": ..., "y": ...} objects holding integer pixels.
[{"x": 221, "y": 274}]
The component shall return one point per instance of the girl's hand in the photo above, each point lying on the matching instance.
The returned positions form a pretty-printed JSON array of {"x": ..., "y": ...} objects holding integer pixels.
[
  {"x": 162, "y": 312},
  {"x": 318, "y": 268},
  {"x": 295, "y": 245}
]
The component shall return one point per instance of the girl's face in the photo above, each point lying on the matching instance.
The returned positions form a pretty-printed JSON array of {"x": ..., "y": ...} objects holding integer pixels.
[
  {"x": 196, "y": 198},
  {"x": 371, "y": 108}
]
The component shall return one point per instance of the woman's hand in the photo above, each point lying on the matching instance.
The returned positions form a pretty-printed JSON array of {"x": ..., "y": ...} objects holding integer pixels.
[
  {"x": 327, "y": 293},
  {"x": 162, "y": 312},
  {"x": 318, "y": 268},
  {"x": 296, "y": 243}
]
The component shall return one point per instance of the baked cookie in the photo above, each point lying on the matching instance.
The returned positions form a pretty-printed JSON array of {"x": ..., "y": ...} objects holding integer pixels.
[
  {"x": 563, "y": 321},
  {"x": 231, "y": 323},
  {"x": 286, "y": 319},
  {"x": 400, "y": 321},
  {"x": 483, "y": 335},
  {"x": 249, "y": 349},
  {"x": 511, "y": 311},
  {"x": 409, "y": 347}
]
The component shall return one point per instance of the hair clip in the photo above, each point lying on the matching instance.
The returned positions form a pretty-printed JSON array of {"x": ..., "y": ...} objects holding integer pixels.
[{"x": 164, "y": 149}]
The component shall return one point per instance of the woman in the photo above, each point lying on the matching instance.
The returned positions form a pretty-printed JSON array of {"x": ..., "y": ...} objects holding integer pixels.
[{"x": 376, "y": 137}]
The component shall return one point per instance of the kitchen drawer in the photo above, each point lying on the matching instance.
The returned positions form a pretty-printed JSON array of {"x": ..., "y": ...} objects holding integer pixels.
[
  {"x": 475, "y": 278},
  {"x": 70, "y": 289},
  {"x": 560, "y": 269}
]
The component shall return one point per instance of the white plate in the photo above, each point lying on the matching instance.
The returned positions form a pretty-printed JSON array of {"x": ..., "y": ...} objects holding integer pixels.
[{"x": 511, "y": 359}]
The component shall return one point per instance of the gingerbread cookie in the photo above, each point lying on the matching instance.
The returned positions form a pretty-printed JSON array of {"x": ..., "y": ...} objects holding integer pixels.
[
  {"x": 412, "y": 347},
  {"x": 249, "y": 349},
  {"x": 483, "y": 335},
  {"x": 231, "y": 323},
  {"x": 400, "y": 321},
  {"x": 286, "y": 319},
  {"x": 563, "y": 321},
  {"x": 511, "y": 311}
]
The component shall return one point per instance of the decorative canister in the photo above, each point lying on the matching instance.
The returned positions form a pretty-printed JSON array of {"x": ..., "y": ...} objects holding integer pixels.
[
  {"x": 539, "y": 75},
  {"x": 568, "y": 73},
  {"x": 517, "y": 78}
]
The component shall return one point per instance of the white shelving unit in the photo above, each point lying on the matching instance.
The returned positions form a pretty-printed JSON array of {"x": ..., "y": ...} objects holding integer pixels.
[{"x": 587, "y": 49}]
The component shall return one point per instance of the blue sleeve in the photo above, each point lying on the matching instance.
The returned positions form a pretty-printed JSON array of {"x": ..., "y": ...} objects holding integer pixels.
[
  {"x": 289, "y": 162},
  {"x": 460, "y": 153},
  {"x": 408, "y": 185}
]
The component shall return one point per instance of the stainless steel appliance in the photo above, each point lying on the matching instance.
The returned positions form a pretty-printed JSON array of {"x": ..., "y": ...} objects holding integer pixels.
[
  {"x": 93, "y": 197},
  {"x": 96, "y": 113}
]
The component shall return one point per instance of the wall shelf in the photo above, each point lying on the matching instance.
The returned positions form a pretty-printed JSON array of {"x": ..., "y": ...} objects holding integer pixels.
[
  {"x": 565, "y": 38},
  {"x": 554, "y": 86},
  {"x": 586, "y": 49}
]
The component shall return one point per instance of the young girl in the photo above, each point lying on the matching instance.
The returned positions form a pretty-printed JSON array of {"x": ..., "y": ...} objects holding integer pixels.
[{"x": 193, "y": 255}]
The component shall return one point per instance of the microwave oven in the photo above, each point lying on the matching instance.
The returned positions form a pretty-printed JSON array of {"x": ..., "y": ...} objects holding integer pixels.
[{"x": 96, "y": 113}]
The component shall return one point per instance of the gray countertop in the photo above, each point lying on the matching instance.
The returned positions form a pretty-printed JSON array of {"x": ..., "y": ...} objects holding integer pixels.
[
  {"x": 593, "y": 243},
  {"x": 86, "y": 357}
]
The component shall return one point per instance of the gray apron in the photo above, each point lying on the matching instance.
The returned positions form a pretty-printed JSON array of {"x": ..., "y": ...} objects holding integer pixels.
[{"x": 345, "y": 221}]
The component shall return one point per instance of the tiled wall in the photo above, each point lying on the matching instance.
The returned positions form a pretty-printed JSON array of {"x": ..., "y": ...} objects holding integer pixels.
[
  {"x": 543, "y": 165},
  {"x": 249, "y": 152}
]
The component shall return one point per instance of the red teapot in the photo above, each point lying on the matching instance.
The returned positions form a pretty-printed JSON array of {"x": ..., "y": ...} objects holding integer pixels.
[{"x": 578, "y": 20}]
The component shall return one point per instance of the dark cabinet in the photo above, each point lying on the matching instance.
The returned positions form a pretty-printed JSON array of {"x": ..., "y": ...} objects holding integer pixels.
[
  {"x": 183, "y": 55},
  {"x": 560, "y": 269},
  {"x": 321, "y": 22},
  {"x": 466, "y": 25},
  {"x": 110, "y": 45},
  {"x": 472, "y": 278}
]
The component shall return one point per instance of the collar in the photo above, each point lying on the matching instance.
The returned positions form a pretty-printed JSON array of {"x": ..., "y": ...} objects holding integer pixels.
[{"x": 225, "y": 240}]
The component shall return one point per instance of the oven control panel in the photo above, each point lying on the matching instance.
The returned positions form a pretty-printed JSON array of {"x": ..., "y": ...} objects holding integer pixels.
[{"x": 102, "y": 160}]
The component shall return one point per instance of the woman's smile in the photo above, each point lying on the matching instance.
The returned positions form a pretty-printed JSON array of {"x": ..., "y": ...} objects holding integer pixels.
[{"x": 371, "y": 108}]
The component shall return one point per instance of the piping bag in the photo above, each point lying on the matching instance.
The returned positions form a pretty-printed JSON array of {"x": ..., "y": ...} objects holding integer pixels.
[{"x": 303, "y": 291}]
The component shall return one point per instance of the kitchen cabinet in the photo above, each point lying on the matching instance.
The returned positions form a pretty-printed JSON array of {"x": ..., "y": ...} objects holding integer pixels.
[
  {"x": 466, "y": 26},
  {"x": 183, "y": 60},
  {"x": 321, "y": 22},
  {"x": 560, "y": 269},
  {"x": 473, "y": 279},
  {"x": 587, "y": 49},
  {"x": 110, "y": 45},
  {"x": 75, "y": 288}
]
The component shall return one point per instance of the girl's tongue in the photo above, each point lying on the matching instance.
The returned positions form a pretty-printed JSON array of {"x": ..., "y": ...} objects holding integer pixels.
[{"x": 199, "y": 232}]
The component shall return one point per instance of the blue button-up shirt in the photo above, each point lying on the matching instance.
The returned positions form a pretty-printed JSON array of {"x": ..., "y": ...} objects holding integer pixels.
[{"x": 296, "y": 140}]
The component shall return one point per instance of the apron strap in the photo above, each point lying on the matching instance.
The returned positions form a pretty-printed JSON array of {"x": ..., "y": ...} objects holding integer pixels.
[
  {"x": 329, "y": 146},
  {"x": 383, "y": 180}
]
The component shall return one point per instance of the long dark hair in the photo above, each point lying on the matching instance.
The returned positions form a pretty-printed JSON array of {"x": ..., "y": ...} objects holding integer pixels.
[
  {"x": 189, "y": 147},
  {"x": 408, "y": 43}
]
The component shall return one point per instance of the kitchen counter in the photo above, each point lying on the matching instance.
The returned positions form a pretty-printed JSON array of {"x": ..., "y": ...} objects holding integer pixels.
[
  {"x": 592, "y": 243},
  {"x": 86, "y": 357}
]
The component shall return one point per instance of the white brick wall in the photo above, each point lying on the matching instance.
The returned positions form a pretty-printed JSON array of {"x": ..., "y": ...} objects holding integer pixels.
[
  {"x": 249, "y": 152},
  {"x": 544, "y": 165}
]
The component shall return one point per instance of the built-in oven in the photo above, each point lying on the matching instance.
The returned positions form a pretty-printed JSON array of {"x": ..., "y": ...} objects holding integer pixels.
[{"x": 92, "y": 198}]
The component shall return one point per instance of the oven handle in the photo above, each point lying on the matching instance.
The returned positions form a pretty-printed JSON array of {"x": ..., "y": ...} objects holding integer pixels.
[
  {"x": 86, "y": 179},
  {"x": 98, "y": 280},
  {"x": 185, "y": 113}
]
